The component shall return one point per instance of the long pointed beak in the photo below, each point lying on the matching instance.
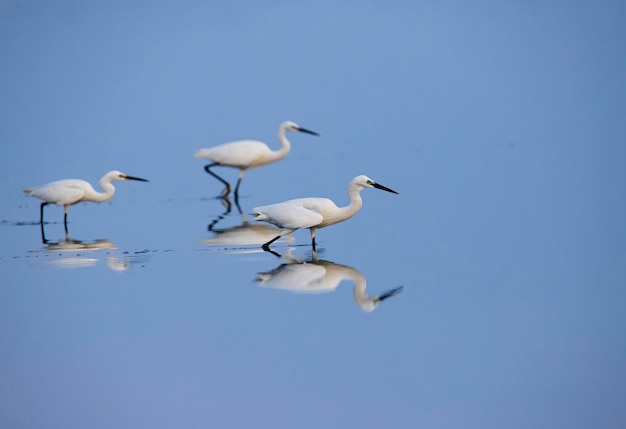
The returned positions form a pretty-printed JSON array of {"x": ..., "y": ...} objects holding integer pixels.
[
  {"x": 304, "y": 130},
  {"x": 390, "y": 293},
  {"x": 384, "y": 188},
  {"x": 136, "y": 178}
]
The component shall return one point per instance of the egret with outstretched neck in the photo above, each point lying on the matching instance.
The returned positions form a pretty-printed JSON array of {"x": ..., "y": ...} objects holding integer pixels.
[
  {"x": 314, "y": 213},
  {"x": 68, "y": 192},
  {"x": 245, "y": 154}
]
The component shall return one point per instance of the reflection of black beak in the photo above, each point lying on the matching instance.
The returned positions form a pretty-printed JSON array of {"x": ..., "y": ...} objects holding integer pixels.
[
  {"x": 304, "y": 130},
  {"x": 390, "y": 293},
  {"x": 136, "y": 178},
  {"x": 384, "y": 188}
]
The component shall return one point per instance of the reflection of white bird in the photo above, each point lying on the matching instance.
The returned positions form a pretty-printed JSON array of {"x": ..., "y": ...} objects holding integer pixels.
[
  {"x": 314, "y": 213},
  {"x": 317, "y": 276},
  {"x": 244, "y": 234},
  {"x": 71, "y": 245},
  {"x": 71, "y": 191},
  {"x": 239, "y": 235},
  {"x": 79, "y": 248},
  {"x": 246, "y": 154}
]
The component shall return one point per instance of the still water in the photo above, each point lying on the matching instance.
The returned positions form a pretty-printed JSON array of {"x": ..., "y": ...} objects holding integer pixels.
[
  {"x": 488, "y": 293},
  {"x": 166, "y": 312}
]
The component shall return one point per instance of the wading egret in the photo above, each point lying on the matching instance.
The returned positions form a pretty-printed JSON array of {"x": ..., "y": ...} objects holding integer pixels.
[
  {"x": 71, "y": 191},
  {"x": 244, "y": 154},
  {"x": 314, "y": 213}
]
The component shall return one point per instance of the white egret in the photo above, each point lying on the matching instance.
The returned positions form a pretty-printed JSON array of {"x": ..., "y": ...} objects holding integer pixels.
[
  {"x": 314, "y": 213},
  {"x": 68, "y": 192},
  {"x": 246, "y": 154}
]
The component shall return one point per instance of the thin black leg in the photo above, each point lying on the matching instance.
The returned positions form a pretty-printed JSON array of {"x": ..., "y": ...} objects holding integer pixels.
[
  {"x": 41, "y": 212},
  {"x": 226, "y": 190},
  {"x": 266, "y": 246},
  {"x": 237, "y": 191},
  {"x": 65, "y": 221},
  {"x": 43, "y": 235},
  {"x": 313, "y": 243}
]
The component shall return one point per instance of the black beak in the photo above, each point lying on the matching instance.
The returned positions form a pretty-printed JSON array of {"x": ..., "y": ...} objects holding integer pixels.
[
  {"x": 136, "y": 178},
  {"x": 304, "y": 130},
  {"x": 384, "y": 188},
  {"x": 390, "y": 293}
]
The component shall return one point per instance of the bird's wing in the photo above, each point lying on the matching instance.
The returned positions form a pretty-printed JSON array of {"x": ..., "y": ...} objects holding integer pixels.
[
  {"x": 58, "y": 193},
  {"x": 288, "y": 215},
  {"x": 241, "y": 153}
]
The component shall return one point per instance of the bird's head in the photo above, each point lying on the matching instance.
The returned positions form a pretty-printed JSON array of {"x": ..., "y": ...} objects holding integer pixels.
[
  {"x": 292, "y": 126},
  {"x": 363, "y": 181},
  {"x": 118, "y": 175}
]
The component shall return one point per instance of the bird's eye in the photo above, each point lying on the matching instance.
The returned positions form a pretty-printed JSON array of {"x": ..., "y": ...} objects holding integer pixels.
[{"x": 369, "y": 182}]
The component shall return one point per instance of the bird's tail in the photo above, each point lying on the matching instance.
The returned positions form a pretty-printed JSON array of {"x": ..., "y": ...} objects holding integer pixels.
[
  {"x": 203, "y": 153},
  {"x": 258, "y": 216},
  {"x": 28, "y": 191}
]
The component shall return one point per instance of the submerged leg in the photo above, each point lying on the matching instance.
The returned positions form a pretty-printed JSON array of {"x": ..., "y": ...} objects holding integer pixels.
[{"x": 226, "y": 190}]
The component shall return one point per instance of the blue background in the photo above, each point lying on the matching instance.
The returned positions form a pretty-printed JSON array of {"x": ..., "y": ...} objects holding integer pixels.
[{"x": 500, "y": 124}]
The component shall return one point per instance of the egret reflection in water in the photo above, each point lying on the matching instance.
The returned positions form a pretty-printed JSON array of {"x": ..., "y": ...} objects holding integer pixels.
[
  {"x": 245, "y": 233},
  {"x": 70, "y": 253},
  {"x": 318, "y": 276}
]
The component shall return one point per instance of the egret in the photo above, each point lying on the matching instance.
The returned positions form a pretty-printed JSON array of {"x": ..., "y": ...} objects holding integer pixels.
[
  {"x": 244, "y": 154},
  {"x": 68, "y": 192},
  {"x": 314, "y": 213}
]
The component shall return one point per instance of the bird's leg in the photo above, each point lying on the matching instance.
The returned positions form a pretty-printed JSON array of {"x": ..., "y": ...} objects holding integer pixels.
[
  {"x": 226, "y": 190},
  {"x": 66, "y": 209},
  {"x": 43, "y": 235},
  {"x": 238, "y": 206},
  {"x": 241, "y": 173},
  {"x": 313, "y": 238},
  {"x": 41, "y": 212},
  {"x": 237, "y": 195},
  {"x": 266, "y": 246}
]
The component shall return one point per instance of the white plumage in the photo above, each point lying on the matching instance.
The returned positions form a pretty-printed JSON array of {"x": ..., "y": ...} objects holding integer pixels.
[
  {"x": 68, "y": 192},
  {"x": 245, "y": 154},
  {"x": 314, "y": 213}
]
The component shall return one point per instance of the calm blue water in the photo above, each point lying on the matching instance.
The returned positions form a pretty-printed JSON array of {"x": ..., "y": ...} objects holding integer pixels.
[{"x": 161, "y": 310}]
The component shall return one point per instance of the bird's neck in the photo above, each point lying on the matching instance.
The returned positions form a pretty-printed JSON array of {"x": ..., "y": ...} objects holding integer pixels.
[
  {"x": 355, "y": 205},
  {"x": 108, "y": 189},
  {"x": 284, "y": 148}
]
